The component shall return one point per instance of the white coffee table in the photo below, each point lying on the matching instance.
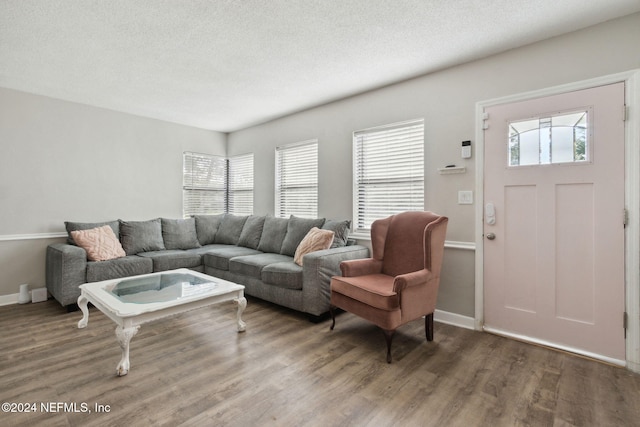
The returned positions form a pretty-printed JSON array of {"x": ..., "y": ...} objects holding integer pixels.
[{"x": 132, "y": 301}]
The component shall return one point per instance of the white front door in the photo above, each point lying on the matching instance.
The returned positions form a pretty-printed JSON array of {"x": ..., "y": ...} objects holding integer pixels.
[{"x": 553, "y": 224}]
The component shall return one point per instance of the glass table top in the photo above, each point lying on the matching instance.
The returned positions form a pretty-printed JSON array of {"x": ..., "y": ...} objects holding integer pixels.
[{"x": 160, "y": 288}]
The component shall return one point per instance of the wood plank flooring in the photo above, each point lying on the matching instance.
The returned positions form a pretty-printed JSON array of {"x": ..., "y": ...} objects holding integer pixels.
[{"x": 194, "y": 369}]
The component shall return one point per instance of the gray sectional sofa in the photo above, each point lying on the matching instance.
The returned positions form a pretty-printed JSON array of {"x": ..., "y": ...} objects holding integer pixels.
[{"x": 255, "y": 251}]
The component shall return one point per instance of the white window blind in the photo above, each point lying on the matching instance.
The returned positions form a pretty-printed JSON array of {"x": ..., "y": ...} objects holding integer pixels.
[
  {"x": 240, "y": 194},
  {"x": 297, "y": 180},
  {"x": 204, "y": 185},
  {"x": 388, "y": 171}
]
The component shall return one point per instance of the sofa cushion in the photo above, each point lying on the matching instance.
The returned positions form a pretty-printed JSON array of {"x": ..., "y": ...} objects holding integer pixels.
[
  {"x": 207, "y": 227},
  {"x": 117, "y": 268},
  {"x": 375, "y": 290},
  {"x": 283, "y": 274},
  {"x": 341, "y": 230},
  {"x": 230, "y": 229},
  {"x": 100, "y": 244},
  {"x": 273, "y": 234},
  {"x": 252, "y": 265},
  {"x": 251, "y": 232},
  {"x": 297, "y": 228},
  {"x": 172, "y": 259},
  {"x": 204, "y": 249},
  {"x": 219, "y": 257},
  {"x": 315, "y": 240},
  {"x": 179, "y": 233},
  {"x": 141, "y": 236},
  {"x": 74, "y": 226}
]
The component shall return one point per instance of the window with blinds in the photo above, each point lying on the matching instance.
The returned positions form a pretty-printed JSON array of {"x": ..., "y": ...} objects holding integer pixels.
[
  {"x": 388, "y": 171},
  {"x": 240, "y": 185},
  {"x": 204, "y": 186},
  {"x": 213, "y": 184},
  {"x": 297, "y": 180}
]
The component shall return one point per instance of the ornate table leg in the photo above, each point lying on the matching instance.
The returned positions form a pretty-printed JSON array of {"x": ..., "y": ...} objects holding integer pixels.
[
  {"x": 82, "y": 303},
  {"x": 124, "y": 337},
  {"x": 242, "y": 304}
]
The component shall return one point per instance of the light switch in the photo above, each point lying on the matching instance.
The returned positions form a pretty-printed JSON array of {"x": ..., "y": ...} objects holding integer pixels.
[{"x": 465, "y": 197}]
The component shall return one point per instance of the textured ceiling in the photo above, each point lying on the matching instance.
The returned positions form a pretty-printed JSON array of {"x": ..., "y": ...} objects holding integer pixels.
[{"x": 225, "y": 65}]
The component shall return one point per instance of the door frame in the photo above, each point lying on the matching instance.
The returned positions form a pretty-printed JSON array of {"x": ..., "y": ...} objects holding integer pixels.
[{"x": 632, "y": 198}]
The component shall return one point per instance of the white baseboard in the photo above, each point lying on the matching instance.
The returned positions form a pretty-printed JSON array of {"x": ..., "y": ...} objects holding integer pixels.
[
  {"x": 9, "y": 299},
  {"x": 454, "y": 319}
]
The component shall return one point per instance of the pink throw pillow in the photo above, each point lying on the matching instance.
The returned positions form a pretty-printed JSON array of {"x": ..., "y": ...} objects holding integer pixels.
[
  {"x": 315, "y": 240},
  {"x": 100, "y": 243}
]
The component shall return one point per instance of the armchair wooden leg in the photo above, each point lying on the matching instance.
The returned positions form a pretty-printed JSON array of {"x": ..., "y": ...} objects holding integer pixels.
[
  {"x": 388, "y": 336},
  {"x": 333, "y": 317},
  {"x": 428, "y": 326}
]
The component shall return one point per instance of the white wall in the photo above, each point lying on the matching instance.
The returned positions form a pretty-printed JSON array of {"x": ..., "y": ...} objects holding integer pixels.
[
  {"x": 64, "y": 161},
  {"x": 61, "y": 161},
  {"x": 446, "y": 100}
]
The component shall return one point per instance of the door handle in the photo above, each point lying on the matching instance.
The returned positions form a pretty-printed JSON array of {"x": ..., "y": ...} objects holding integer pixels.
[{"x": 491, "y": 236}]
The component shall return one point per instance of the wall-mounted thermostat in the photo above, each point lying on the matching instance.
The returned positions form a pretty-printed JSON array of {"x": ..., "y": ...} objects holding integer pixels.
[{"x": 466, "y": 149}]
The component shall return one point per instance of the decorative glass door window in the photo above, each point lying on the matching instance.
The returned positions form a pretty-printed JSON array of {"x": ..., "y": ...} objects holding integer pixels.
[{"x": 547, "y": 140}]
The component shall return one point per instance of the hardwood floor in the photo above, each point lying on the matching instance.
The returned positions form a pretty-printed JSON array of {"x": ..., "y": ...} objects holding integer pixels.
[{"x": 194, "y": 369}]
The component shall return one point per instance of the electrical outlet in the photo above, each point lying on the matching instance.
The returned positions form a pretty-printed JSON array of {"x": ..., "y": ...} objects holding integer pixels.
[{"x": 465, "y": 197}]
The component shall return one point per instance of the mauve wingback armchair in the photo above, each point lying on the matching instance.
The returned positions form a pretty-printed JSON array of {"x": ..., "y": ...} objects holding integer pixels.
[{"x": 400, "y": 282}]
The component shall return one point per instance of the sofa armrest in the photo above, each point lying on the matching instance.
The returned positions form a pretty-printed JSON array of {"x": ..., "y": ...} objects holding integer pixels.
[
  {"x": 318, "y": 268},
  {"x": 66, "y": 267}
]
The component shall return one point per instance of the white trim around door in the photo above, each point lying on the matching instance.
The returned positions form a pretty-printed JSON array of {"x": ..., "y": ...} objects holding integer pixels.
[{"x": 632, "y": 199}]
